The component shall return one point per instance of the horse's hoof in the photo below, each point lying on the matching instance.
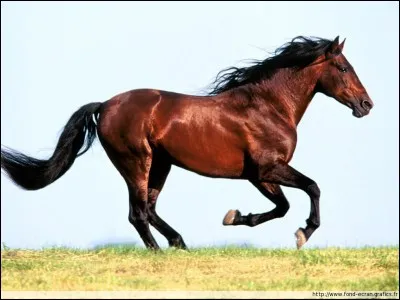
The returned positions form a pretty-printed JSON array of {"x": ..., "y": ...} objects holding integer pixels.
[
  {"x": 182, "y": 250},
  {"x": 230, "y": 217},
  {"x": 300, "y": 238}
]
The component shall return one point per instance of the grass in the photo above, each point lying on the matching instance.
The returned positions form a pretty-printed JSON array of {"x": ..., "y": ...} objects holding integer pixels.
[{"x": 219, "y": 269}]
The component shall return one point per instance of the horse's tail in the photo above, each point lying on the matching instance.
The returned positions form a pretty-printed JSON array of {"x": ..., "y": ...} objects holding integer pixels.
[{"x": 33, "y": 174}]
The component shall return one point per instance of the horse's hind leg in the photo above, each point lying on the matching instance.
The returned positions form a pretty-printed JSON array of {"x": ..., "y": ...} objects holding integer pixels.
[
  {"x": 158, "y": 174},
  {"x": 274, "y": 193},
  {"x": 133, "y": 163}
]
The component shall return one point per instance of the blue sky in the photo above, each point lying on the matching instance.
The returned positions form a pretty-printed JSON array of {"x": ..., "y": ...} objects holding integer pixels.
[{"x": 58, "y": 56}]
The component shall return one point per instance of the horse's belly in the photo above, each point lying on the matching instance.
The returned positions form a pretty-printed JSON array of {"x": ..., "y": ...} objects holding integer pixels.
[{"x": 211, "y": 154}]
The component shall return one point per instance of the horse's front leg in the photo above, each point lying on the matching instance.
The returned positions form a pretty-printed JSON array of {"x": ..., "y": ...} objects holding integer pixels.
[
  {"x": 274, "y": 193},
  {"x": 283, "y": 174}
]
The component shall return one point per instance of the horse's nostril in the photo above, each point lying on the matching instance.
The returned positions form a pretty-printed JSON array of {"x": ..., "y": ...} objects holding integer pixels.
[{"x": 366, "y": 104}]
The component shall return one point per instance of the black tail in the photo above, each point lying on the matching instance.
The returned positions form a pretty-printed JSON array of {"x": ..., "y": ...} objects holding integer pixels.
[{"x": 33, "y": 174}]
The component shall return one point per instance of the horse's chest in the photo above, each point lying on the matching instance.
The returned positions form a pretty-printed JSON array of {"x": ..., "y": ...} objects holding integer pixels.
[{"x": 273, "y": 144}]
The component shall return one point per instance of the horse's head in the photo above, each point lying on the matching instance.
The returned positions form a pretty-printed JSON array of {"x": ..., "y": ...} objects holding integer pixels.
[{"x": 339, "y": 80}]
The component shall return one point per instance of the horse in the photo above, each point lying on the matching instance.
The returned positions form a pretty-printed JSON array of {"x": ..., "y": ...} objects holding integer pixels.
[{"x": 244, "y": 127}]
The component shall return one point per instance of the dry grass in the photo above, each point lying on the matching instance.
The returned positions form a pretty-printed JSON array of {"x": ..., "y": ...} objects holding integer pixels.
[{"x": 129, "y": 268}]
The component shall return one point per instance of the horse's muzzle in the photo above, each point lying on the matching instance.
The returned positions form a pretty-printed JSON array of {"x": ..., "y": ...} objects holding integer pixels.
[{"x": 362, "y": 108}]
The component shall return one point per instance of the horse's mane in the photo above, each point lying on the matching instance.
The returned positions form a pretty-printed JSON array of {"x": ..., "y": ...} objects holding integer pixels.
[{"x": 298, "y": 53}]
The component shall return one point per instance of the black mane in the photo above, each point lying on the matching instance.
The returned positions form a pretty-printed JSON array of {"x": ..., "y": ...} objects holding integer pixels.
[{"x": 298, "y": 53}]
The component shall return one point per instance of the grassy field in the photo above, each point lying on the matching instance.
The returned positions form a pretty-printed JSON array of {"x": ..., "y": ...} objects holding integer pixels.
[{"x": 217, "y": 269}]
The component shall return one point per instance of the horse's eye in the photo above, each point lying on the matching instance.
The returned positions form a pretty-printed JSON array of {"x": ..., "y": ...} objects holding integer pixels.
[{"x": 342, "y": 69}]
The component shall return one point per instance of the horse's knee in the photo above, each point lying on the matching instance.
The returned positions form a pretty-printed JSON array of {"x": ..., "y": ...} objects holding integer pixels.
[
  {"x": 313, "y": 191},
  {"x": 282, "y": 209}
]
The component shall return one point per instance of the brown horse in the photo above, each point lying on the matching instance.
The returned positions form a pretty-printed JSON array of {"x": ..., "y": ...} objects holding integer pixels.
[{"x": 244, "y": 128}]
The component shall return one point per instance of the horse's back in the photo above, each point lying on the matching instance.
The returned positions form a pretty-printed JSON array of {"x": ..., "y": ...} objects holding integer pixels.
[{"x": 135, "y": 113}]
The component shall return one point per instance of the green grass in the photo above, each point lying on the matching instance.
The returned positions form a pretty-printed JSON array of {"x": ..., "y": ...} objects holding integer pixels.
[{"x": 218, "y": 269}]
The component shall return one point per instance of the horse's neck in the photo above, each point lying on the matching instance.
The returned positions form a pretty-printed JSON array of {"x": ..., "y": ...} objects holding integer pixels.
[{"x": 290, "y": 92}]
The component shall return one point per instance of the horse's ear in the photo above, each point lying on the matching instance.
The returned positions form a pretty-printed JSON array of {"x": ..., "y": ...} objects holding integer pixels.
[
  {"x": 341, "y": 45},
  {"x": 335, "y": 48}
]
